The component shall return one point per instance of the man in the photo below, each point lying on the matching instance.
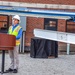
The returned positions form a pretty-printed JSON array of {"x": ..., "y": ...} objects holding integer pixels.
[{"x": 16, "y": 30}]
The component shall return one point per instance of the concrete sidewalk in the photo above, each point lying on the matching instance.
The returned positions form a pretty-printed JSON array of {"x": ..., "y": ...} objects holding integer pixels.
[{"x": 63, "y": 65}]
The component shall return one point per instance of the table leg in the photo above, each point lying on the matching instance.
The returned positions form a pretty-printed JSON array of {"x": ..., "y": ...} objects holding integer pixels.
[{"x": 3, "y": 61}]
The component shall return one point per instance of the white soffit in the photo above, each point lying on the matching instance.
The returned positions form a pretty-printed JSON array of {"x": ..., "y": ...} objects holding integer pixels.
[{"x": 37, "y": 5}]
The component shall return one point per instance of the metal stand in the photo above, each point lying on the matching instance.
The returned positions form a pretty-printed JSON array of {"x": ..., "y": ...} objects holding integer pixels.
[
  {"x": 3, "y": 62},
  {"x": 68, "y": 48}
]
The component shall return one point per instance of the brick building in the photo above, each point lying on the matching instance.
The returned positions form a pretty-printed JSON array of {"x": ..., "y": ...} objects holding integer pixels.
[{"x": 44, "y": 23}]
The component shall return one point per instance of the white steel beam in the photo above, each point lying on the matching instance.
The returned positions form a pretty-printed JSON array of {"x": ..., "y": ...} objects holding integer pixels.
[{"x": 55, "y": 35}]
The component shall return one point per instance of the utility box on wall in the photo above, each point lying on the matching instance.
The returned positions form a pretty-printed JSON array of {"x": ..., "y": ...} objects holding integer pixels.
[
  {"x": 23, "y": 25},
  {"x": 23, "y": 22}
]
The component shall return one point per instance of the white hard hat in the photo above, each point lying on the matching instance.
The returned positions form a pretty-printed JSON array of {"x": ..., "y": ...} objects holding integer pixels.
[{"x": 16, "y": 17}]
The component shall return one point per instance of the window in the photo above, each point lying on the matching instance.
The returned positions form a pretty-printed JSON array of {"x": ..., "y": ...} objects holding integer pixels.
[
  {"x": 70, "y": 27},
  {"x": 50, "y": 24}
]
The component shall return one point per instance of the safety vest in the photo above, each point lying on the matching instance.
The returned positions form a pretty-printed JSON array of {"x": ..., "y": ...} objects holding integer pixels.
[{"x": 15, "y": 32}]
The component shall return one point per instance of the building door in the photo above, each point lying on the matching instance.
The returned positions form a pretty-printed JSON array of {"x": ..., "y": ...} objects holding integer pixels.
[{"x": 50, "y": 24}]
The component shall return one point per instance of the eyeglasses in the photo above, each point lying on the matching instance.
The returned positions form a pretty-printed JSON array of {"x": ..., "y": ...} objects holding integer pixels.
[{"x": 15, "y": 20}]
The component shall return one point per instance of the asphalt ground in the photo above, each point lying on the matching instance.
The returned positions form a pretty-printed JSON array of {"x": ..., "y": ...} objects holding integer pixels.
[{"x": 63, "y": 65}]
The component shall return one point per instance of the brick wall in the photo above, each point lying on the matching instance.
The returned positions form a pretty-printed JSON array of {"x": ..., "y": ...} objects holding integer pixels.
[
  {"x": 71, "y": 2},
  {"x": 39, "y": 22},
  {"x": 62, "y": 25},
  {"x": 31, "y": 24}
]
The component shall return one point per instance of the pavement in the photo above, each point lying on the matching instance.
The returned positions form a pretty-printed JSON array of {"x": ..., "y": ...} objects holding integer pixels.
[{"x": 63, "y": 65}]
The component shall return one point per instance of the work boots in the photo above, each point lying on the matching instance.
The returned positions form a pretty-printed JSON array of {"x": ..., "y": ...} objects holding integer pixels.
[{"x": 12, "y": 70}]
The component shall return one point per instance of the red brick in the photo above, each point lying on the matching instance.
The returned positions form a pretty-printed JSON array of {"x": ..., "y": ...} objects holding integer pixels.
[
  {"x": 62, "y": 25},
  {"x": 71, "y": 2}
]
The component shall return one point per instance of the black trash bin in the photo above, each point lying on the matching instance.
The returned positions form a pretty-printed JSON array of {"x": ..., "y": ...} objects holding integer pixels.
[{"x": 43, "y": 48}]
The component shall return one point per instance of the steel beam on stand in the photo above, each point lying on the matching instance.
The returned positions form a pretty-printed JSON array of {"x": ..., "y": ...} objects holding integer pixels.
[{"x": 68, "y": 38}]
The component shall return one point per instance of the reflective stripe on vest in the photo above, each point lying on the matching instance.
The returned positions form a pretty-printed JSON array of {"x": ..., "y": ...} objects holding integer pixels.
[{"x": 15, "y": 32}]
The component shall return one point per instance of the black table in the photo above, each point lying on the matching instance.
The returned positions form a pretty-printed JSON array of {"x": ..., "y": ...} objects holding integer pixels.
[{"x": 43, "y": 48}]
